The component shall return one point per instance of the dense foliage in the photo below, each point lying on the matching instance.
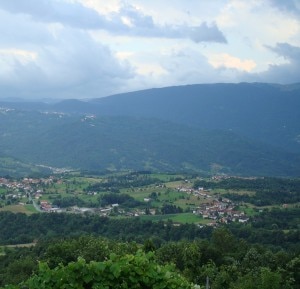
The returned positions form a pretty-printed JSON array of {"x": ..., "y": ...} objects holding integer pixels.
[
  {"x": 129, "y": 180},
  {"x": 129, "y": 271},
  {"x": 83, "y": 262},
  {"x": 19, "y": 228},
  {"x": 66, "y": 202},
  {"x": 170, "y": 209}
]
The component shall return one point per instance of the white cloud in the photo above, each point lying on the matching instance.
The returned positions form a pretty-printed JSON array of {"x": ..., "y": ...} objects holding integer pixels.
[
  {"x": 182, "y": 66},
  {"x": 102, "y": 7},
  {"x": 189, "y": 66},
  {"x": 258, "y": 20},
  {"x": 229, "y": 61},
  {"x": 23, "y": 56}
]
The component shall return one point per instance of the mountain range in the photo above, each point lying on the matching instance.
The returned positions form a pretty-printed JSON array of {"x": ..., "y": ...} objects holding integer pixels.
[{"x": 243, "y": 129}]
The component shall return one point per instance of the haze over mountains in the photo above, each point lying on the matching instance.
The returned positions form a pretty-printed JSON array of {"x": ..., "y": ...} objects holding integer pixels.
[{"x": 248, "y": 129}]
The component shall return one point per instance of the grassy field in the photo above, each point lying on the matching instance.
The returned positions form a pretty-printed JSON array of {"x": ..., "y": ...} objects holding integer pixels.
[
  {"x": 168, "y": 194},
  {"x": 249, "y": 210},
  {"x": 176, "y": 184},
  {"x": 26, "y": 209},
  {"x": 28, "y": 245},
  {"x": 166, "y": 177},
  {"x": 237, "y": 192},
  {"x": 177, "y": 218},
  {"x": 30, "y": 209},
  {"x": 2, "y": 248},
  {"x": 2, "y": 190}
]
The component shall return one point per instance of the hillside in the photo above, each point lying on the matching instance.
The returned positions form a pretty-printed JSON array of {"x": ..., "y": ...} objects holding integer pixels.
[
  {"x": 264, "y": 112},
  {"x": 122, "y": 143},
  {"x": 12, "y": 167},
  {"x": 232, "y": 128}
]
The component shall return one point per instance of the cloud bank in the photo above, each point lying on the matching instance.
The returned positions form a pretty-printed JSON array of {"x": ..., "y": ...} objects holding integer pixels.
[{"x": 65, "y": 49}]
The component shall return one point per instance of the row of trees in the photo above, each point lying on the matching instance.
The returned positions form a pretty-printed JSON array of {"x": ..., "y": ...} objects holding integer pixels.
[
  {"x": 129, "y": 180},
  {"x": 19, "y": 228}
]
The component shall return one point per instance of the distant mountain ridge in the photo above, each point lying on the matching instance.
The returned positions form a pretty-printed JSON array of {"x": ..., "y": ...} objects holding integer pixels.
[
  {"x": 266, "y": 112},
  {"x": 233, "y": 128}
]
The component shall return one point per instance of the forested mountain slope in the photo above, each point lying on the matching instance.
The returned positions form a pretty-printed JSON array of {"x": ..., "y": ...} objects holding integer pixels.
[
  {"x": 265, "y": 112},
  {"x": 117, "y": 143}
]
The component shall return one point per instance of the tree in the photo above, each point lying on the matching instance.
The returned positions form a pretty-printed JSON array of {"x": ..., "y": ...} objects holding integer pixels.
[{"x": 269, "y": 280}]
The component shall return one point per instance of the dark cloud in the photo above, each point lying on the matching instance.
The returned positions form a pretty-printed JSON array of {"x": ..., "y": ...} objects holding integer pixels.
[
  {"x": 287, "y": 51},
  {"x": 288, "y": 72},
  {"x": 285, "y": 73},
  {"x": 73, "y": 66},
  {"x": 144, "y": 26},
  {"x": 207, "y": 33},
  {"x": 292, "y": 6},
  {"x": 73, "y": 14},
  {"x": 79, "y": 16}
]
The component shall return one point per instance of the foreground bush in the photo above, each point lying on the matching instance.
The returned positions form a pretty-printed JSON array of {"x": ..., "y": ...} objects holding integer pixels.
[{"x": 129, "y": 271}]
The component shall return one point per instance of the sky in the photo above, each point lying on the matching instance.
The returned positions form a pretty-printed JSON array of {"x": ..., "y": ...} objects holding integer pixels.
[{"x": 93, "y": 48}]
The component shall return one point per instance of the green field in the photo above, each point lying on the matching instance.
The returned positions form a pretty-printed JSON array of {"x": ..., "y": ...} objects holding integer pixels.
[
  {"x": 26, "y": 209},
  {"x": 161, "y": 189},
  {"x": 177, "y": 218},
  {"x": 30, "y": 209}
]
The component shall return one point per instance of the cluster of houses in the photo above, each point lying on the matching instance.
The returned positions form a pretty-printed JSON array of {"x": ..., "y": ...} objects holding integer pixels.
[
  {"x": 218, "y": 210},
  {"x": 46, "y": 206},
  {"x": 221, "y": 211},
  {"x": 25, "y": 184},
  {"x": 102, "y": 211},
  {"x": 25, "y": 188}
]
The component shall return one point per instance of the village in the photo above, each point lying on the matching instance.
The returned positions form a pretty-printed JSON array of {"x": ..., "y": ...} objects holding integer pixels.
[
  {"x": 34, "y": 191},
  {"x": 221, "y": 210}
]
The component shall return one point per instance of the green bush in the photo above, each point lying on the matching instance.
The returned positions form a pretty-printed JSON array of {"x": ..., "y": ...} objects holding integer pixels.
[{"x": 129, "y": 271}]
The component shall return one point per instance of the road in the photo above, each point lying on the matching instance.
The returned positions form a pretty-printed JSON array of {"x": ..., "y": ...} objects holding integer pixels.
[{"x": 36, "y": 206}]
